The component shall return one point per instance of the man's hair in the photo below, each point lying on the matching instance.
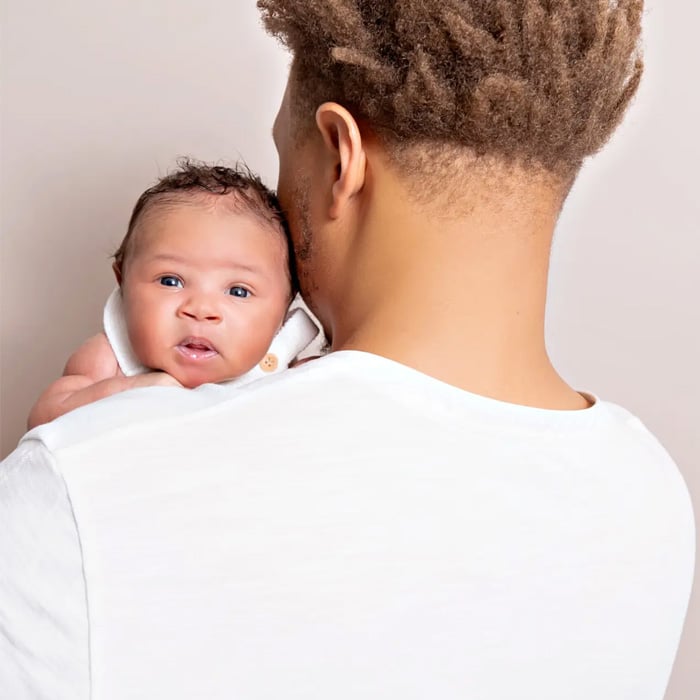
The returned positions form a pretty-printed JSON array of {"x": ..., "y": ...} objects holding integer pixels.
[
  {"x": 535, "y": 82},
  {"x": 193, "y": 178}
]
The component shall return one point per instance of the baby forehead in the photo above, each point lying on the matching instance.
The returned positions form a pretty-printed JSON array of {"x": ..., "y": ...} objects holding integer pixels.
[
  {"x": 202, "y": 234},
  {"x": 194, "y": 213},
  {"x": 235, "y": 202}
]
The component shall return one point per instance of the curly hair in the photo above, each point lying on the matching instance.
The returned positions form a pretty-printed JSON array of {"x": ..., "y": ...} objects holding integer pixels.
[
  {"x": 193, "y": 178},
  {"x": 537, "y": 82}
]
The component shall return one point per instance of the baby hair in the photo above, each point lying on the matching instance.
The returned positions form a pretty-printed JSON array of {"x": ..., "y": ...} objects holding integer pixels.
[{"x": 195, "y": 178}]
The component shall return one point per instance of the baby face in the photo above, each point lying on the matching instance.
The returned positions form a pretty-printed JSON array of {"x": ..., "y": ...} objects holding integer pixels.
[{"x": 204, "y": 291}]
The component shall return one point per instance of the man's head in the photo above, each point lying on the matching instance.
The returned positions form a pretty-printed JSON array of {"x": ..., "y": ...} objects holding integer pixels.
[
  {"x": 204, "y": 272},
  {"x": 452, "y": 94},
  {"x": 538, "y": 82}
]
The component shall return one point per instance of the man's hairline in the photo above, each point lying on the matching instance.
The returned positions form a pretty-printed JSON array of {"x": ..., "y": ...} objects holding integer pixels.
[{"x": 303, "y": 128}]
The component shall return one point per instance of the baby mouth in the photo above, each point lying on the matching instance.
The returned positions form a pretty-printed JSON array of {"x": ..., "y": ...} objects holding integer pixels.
[{"x": 196, "y": 348}]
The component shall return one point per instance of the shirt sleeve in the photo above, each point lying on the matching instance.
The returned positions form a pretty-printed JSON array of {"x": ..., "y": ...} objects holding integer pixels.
[{"x": 44, "y": 651}]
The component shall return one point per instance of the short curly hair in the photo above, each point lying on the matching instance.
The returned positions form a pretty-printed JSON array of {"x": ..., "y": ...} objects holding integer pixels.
[
  {"x": 192, "y": 178},
  {"x": 537, "y": 82}
]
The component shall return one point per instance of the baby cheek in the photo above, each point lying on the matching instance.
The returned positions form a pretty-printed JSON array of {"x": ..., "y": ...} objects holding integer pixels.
[
  {"x": 142, "y": 336},
  {"x": 259, "y": 332},
  {"x": 261, "y": 336}
]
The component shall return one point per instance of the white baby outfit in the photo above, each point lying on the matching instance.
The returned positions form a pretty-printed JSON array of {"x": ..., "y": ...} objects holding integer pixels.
[{"x": 297, "y": 332}]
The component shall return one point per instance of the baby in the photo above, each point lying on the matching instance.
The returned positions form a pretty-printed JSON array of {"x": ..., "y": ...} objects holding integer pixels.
[{"x": 204, "y": 285}]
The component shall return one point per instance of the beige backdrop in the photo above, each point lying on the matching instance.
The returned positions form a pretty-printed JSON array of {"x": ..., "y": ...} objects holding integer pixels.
[{"x": 97, "y": 100}]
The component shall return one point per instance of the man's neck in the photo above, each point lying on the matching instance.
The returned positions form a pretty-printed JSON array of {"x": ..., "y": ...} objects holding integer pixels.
[{"x": 461, "y": 299}]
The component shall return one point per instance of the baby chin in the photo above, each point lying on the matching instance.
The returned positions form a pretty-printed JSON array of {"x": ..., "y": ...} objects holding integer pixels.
[{"x": 197, "y": 361}]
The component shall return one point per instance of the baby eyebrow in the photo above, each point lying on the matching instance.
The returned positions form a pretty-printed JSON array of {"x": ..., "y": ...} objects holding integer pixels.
[
  {"x": 166, "y": 257},
  {"x": 181, "y": 260}
]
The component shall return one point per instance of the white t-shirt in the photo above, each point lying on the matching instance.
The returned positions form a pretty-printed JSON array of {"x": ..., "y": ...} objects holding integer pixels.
[{"x": 349, "y": 529}]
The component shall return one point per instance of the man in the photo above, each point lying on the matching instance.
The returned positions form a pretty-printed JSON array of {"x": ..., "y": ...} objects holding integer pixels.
[{"x": 428, "y": 511}]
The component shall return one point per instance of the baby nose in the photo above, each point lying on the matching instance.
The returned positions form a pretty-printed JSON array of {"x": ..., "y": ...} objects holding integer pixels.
[{"x": 201, "y": 308}]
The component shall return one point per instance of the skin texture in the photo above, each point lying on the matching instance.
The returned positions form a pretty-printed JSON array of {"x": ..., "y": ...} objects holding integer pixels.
[
  {"x": 204, "y": 294},
  {"x": 455, "y": 289},
  {"x": 227, "y": 288}
]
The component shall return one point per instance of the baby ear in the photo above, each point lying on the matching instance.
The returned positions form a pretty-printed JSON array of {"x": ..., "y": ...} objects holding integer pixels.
[
  {"x": 116, "y": 268},
  {"x": 343, "y": 143}
]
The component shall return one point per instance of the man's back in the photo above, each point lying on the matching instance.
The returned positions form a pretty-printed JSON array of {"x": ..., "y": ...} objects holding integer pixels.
[{"x": 350, "y": 529}]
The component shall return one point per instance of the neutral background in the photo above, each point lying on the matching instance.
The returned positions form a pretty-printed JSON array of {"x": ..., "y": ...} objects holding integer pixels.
[{"x": 99, "y": 97}]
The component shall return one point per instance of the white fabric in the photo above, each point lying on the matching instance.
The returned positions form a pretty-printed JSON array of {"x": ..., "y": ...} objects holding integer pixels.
[
  {"x": 348, "y": 529},
  {"x": 297, "y": 332},
  {"x": 43, "y": 623}
]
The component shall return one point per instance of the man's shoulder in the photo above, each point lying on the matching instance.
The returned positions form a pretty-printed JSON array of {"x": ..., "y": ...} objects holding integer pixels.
[
  {"x": 342, "y": 389},
  {"x": 149, "y": 408},
  {"x": 113, "y": 413}
]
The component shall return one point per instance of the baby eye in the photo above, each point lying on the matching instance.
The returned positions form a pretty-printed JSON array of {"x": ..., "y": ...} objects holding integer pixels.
[
  {"x": 170, "y": 281},
  {"x": 240, "y": 292}
]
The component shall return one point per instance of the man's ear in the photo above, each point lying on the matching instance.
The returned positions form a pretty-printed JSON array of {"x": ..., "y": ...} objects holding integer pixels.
[
  {"x": 343, "y": 142},
  {"x": 117, "y": 272}
]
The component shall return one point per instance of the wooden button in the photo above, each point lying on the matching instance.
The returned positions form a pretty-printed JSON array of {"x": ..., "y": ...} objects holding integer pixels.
[{"x": 269, "y": 362}]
